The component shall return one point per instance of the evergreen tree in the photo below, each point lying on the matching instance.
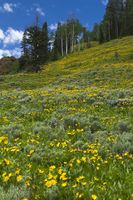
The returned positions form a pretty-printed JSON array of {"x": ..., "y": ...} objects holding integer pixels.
[
  {"x": 56, "y": 52},
  {"x": 95, "y": 32},
  {"x": 101, "y": 35},
  {"x": 86, "y": 37},
  {"x": 44, "y": 42},
  {"x": 35, "y": 47},
  {"x": 128, "y": 17},
  {"x": 113, "y": 19}
]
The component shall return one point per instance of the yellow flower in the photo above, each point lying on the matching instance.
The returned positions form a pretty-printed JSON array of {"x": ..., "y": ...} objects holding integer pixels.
[
  {"x": 60, "y": 171},
  {"x": 52, "y": 168},
  {"x": 80, "y": 178},
  {"x": 19, "y": 178},
  {"x": 6, "y": 176},
  {"x": 83, "y": 183},
  {"x": 30, "y": 153},
  {"x": 97, "y": 168},
  {"x": 79, "y": 195},
  {"x": 63, "y": 176},
  {"x": 40, "y": 171},
  {"x": 7, "y": 162},
  {"x": 94, "y": 197},
  {"x": 29, "y": 166},
  {"x": 51, "y": 176},
  {"x": 27, "y": 183},
  {"x": 4, "y": 139},
  {"x": 83, "y": 159},
  {"x": 78, "y": 161},
  {"x": 37, "y": 197},
  {"x": 64, "y": 184},
  {"x": 17, "y": 171},
  {"x": 74, "y": 186},
  {"x": 51, "y": 183},
  {"x": 70, "y": 164}
]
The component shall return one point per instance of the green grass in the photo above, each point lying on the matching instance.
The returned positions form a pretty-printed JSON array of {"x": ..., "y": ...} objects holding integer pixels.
[{"x": 66, "y": 132}]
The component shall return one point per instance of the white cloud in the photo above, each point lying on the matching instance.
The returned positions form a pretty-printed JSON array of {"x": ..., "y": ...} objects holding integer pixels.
[
  {"x": 12, "y": 36},
  {"x": 40, "y": 11},
  {"x": 6, "y": 52},
  {"x": 104, "y": 2},
  {"x": 1, "y": 34},
  {"x": 53, "y": 27},
  {"x": 7, "y": 7}
]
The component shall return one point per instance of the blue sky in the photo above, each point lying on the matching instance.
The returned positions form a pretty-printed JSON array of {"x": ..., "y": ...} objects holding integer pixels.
[{"x": 15, "y": 15}]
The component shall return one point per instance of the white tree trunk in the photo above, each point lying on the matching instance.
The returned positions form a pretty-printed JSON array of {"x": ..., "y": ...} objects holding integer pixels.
[
  {"x": 72, "y": 48},
  {"x": 66, "y": 45}
]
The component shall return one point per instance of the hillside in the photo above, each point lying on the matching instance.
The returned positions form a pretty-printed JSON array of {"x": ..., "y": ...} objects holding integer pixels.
[
  {"x": 8, "y": 65},
  {"x": 67, "y": 132}
]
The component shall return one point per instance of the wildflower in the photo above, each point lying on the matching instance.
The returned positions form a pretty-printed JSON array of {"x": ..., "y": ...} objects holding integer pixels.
[
  {"x": 19, "y": 178},
  {"x": 51, "y": 176},
  {"x": 96, "y": 179},
  {"x": 31, "y": 152},
  {"x": 74, "y": 186},
  {"x": 29, "y": 166},
  {"x": 17, "y": 171},
  {"x": 6, "y": 176},
  {"x": 51, "y": 183},
  {"x": 52, "y": 168},
  {"x": 60, "y": 171},
  {"x": 7, "y": 162},
  {"x": 27, "y": 183},
  {"x": 78, "y": 161},
  {"x": 79, "y": 195},
  {"x": 4, "y": 139},
  {"x": 63, "y": 176},
  {"x": 94, "y": 197},
  {"x": 40, "y": 171},
  {"x": 83, "y": 159},
  {"x": 83, "y": 183},
  {"x": 64, "y": 184},
  {"x": 80, "y": 178}
]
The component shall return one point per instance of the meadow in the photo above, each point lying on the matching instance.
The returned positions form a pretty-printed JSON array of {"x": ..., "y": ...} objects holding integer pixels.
[{"x": 67, "y": 132}]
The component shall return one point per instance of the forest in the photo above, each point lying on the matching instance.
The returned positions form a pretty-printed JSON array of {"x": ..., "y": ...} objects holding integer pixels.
[{"x": 40, "y": 46}]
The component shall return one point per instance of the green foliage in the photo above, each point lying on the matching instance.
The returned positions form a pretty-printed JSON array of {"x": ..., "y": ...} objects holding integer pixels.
[
  {"x": 34, "y": 47},
  {"x": 117, "y": 20},
  {"x": 14, "y": 193}
]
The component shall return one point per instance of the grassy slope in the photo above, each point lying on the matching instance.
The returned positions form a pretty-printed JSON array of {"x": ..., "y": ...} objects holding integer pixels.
[
  {"x": 79, "y": 65},
  {"x": 76, "y": 115}
]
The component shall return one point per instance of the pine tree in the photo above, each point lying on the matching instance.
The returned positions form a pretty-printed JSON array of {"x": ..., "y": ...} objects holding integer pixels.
[
  {"x": 112, "y": 21},
  {"x": 56, "y": 52},
  {"x": 95, "y": 32},
  {"x": 128, "y": 16},
  {"x": 101, "y": 35},
  {"x": 44, "y": 40},
  {"x": 35, "y": 46}
]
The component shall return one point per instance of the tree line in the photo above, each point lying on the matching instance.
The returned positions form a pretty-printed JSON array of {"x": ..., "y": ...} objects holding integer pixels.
[
  {"x": 39, "y": 45},
  {"x": 117, "y": 21}
]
